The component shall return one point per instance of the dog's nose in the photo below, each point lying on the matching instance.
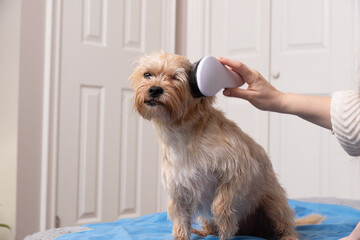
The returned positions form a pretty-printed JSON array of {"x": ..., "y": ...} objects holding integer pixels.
[{"x": 155, "y": 91}]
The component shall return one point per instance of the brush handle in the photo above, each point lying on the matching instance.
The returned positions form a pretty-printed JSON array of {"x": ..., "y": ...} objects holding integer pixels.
[
  {"x": 236, "y": 80},
  {"x": 212, "y": 76}
]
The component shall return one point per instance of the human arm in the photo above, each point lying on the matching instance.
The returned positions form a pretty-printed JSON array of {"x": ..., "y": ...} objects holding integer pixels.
[
  {"x": 264, "y": 96},
  {"x": 355, "y": 234},
  {"x": 315, "y": 109}
]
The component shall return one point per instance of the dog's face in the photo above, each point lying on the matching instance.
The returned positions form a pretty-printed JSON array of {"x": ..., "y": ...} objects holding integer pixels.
[{"x": 161, "y": 87}]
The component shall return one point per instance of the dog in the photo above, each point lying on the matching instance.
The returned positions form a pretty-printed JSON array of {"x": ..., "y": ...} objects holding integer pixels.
[{"x": 210, "y": 168}]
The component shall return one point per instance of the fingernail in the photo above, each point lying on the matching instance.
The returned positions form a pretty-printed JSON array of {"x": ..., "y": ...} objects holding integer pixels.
[{"x": 226, "y": 92}]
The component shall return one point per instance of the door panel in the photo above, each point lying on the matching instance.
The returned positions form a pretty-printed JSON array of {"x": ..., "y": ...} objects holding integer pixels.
[
  {"x": 107, "y": 155},
  {"x": 312, "y": 43}
]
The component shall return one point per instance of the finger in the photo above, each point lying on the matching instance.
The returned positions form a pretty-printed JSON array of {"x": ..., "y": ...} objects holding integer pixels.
[
  {"x": 239, "y": 67},
  {"x": 238, "y": 92}
]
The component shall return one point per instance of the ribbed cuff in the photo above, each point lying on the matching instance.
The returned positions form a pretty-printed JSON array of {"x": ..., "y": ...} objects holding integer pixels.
[{"x": 345, "y": 119}]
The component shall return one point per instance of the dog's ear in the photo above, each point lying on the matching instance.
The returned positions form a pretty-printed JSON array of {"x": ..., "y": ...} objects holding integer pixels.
[{"x": 194, "y": 88}]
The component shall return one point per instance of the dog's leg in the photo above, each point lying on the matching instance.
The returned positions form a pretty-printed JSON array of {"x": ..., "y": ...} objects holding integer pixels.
[
  {"x": 180, "y": 213},
  {"x": 281, "y": 216},
  {"x": 207, "y": 228},
  {"x": 224, "y": 210}
]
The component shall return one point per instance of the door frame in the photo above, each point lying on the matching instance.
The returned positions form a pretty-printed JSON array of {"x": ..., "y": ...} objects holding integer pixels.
[
  {"x": 38, "y": 153},
  {"x": 30, "y": 118}
]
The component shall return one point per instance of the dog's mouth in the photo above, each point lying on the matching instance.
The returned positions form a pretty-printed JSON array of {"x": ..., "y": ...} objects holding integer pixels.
[{"x": 153, "y": 102}]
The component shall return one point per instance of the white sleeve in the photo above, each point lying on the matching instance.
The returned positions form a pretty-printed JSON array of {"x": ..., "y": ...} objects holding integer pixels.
[{"x": 345, "y": 119}]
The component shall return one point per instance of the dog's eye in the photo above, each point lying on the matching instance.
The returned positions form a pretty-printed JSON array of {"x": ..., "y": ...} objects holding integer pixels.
[{"x": 147, "y": 75}]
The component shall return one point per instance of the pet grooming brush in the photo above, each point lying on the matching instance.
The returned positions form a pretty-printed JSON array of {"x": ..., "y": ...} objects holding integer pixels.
[{"x": 208, "y": 76}]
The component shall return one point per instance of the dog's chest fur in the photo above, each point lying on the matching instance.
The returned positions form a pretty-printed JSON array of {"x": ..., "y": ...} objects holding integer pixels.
[{"x": 186, "y": 172}]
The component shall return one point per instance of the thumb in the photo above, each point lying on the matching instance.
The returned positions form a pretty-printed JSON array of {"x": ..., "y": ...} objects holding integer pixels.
[{"x": 237, "y": 92}]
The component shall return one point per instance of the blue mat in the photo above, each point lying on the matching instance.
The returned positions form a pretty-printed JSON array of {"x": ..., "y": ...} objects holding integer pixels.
[{"x": 340, "y": 221}]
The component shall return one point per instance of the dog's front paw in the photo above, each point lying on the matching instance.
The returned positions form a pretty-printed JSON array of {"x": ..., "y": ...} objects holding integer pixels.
[
  {"x": 181, "y": 233},
  {"x": 181, "y": 238},
  {"x": 289, "y": 238}
]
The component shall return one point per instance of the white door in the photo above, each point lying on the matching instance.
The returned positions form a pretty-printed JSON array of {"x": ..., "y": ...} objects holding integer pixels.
[
  {"x": 312, "y": 52},
  {"x": 107, "y": 155}
]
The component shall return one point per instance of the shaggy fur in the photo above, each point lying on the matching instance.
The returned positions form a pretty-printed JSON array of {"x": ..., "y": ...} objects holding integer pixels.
[{"x": 210, "y": 168}]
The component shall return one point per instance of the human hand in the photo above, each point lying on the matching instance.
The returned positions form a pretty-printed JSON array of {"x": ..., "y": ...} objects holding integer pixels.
[
  {"x": 264, "y": 96},
  {"x": 259, "y": 93}
]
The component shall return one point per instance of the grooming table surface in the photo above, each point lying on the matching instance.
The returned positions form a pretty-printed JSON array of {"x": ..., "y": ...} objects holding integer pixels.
[{"x": 340, "y": 221}]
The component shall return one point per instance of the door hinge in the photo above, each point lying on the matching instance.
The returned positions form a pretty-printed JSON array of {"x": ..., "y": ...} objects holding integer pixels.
[{"x": 57, "y": 222}]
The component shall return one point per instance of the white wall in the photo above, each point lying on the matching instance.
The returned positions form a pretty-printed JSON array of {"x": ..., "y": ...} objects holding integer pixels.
[
  {"x": 22, "y": 25},
  {"x": 9, "y": 83}
]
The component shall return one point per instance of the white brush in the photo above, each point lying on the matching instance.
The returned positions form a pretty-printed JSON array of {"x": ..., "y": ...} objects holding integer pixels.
[{"x": 208, "y": 76}]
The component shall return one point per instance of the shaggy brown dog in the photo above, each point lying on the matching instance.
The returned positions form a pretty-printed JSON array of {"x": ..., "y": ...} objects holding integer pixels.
[{"x": 210, "y": 168}]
